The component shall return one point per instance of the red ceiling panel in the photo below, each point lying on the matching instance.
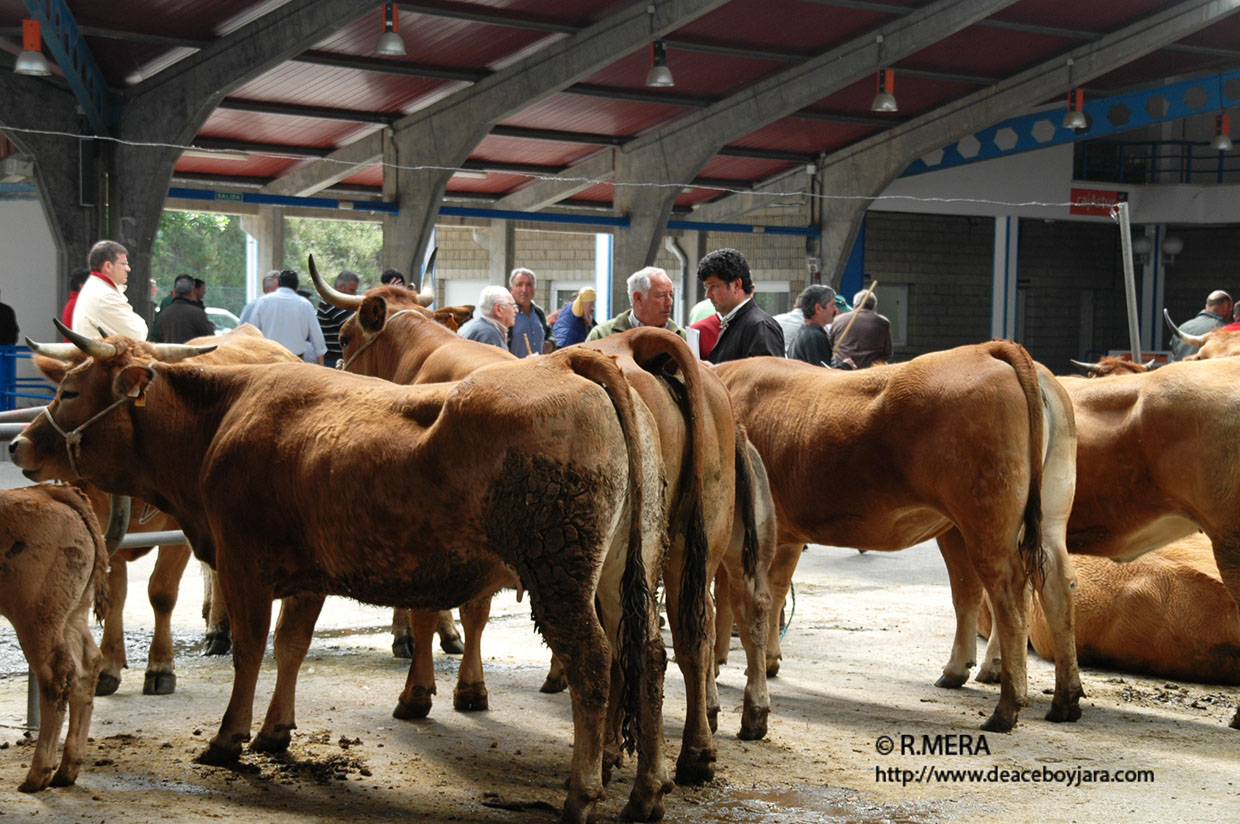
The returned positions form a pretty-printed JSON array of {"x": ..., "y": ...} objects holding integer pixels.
[
  {"x": 309, "y": 85},
  {"x": 798, "y": 27},
  {"x": 795, "y": 134},
  {"x": 1083, "y": 16},
  {"x": 281, "y": 129},
  {"x": 539, "y": 152},
  {"x": 988, "y": 52},
  {"x": 257, "y": 166},
  {"x": 584, "y": 113},
  {"x": 741, "y": 169},
  {"x": 696, "y": 73}
]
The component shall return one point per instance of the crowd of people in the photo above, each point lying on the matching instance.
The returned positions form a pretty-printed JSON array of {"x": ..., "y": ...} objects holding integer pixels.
[{"x": 728, "y": 325}]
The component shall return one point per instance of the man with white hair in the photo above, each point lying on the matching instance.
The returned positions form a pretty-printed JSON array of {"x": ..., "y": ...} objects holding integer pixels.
[
  {"x": 868, "y": 339},
  {"x": 650, "y": 292},
  {"x": 496, "y": 313},
  {"x": 271, "y": 282}
]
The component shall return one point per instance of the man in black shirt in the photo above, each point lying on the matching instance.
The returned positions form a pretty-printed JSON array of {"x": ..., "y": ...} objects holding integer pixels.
[
  {"x": 811, "y": 344},
  {"x": 8, "y": 325},
  {"x": 747, "y": 330},
  {"x": 184, "y": 318},
  {"x": 331, "y": 318}
]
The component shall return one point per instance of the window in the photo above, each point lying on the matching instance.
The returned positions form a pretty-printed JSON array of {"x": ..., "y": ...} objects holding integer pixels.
[{"x": 772, "y": 296}]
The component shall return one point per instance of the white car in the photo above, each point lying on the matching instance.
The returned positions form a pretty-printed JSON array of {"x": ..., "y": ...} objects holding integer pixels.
[{"x": 224, "y": 320}]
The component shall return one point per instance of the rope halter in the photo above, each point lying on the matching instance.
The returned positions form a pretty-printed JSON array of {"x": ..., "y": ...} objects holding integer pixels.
[{"x": 73, "y": 440}]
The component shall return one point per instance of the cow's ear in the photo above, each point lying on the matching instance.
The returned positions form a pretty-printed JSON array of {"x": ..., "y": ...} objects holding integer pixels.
[
  {"x": 53, "y": 368},
  {"x": 132, "y": 381},
  {"x": 372, "y": 314}
]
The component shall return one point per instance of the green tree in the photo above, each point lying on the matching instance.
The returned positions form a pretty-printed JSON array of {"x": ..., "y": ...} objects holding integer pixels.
[{"x": 336, "y": 245}]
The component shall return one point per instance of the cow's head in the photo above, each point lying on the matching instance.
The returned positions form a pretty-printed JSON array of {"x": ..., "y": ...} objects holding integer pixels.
[
  {"x": 86, "y": 424},
  {"x": 1113, "y": 366}
]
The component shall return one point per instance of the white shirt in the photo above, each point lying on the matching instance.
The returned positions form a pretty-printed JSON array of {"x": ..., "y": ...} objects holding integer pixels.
[
  {"x": 290, "y": 320},
  {"x": 102, "y": 305}
]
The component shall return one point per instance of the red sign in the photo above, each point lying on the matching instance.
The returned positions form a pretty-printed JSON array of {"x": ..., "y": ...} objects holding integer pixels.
[{"x": 1097, "y": 202}]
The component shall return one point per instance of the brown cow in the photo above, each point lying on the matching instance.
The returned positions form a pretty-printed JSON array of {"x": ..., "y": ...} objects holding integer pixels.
[
  {"x": 299, "y": 481},
  {"x": 1168, "y": 440},
  {"x": 396, "y": 341},
  {"x": 949, "y": 445},
  {"x": 1109, "y": 365},
  {"x": 1166, "y": 614},
  {"x": 53, "y": 568},
  {"x": 245, "y": 344}
]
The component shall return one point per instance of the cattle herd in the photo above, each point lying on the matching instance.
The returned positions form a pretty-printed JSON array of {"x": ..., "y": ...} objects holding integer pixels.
[{"x": 589, "y": 478}]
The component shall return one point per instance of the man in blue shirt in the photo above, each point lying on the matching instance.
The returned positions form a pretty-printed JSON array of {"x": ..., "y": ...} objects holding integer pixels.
[
  {"x": 290, "y": 320},
  {"x": 530, "y": 331}
]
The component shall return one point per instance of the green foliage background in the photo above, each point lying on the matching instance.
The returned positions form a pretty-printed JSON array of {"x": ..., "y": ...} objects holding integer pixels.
[{"x": 212, "y": 247}]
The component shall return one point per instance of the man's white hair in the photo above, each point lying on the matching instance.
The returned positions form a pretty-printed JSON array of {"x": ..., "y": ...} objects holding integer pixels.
[
  {"x": 521, "y": 270},
  {"x": 640, "y": 280},
  {"x": 872, "y": 303},
  {"x": 490, "y": 296}
]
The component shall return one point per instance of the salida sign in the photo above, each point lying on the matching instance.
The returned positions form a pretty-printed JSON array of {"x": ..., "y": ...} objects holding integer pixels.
[{"x": 1097, "y": 202}]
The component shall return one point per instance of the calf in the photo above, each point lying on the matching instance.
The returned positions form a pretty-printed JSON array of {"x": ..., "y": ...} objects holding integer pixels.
[{"x": 53, "y": 568}]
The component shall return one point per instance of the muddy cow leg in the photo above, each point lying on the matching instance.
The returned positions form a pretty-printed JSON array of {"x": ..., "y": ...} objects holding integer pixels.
[
  {"x": 966, "y": 596},
  {"x": 784, "y": 564},
  {"x": 249, "y": 612},
  {"x": 112, "y": 645},
  {"x": 752, "y": 606},
  {"x": 162, "y": 589},
  {"x": 402, "y": 635},
  {"x": 1004, "y": 579},
  {"x": 449, "y": 639},
  {"x": 84, "y": 657},
  {"x": 218, "y": 640},
  {"x": 696, "y": 762},
  {"x": 556, "y": 680},
  {"x": 415, "y": 700},
  {"x": 294, "y": 629},
  {"x": 470, "y": 694},
  {"x": 1227, "y": 557},
  {"x": 1056, "y": 592}
]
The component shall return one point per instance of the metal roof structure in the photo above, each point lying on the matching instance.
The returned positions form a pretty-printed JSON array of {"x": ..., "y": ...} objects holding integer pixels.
[{"x": 534, "y": 104}]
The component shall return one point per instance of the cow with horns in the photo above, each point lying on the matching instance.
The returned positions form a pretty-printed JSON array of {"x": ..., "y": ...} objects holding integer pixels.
[
  {"x": 1221, "y": 342},
  {"x": 545, "y": 467},
  {"x": 717, "y": 493},
  {"x": 973, "y": 446}
]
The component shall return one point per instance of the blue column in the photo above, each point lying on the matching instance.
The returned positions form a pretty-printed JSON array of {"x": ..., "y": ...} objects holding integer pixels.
[{"x": 1003, "y": 300}]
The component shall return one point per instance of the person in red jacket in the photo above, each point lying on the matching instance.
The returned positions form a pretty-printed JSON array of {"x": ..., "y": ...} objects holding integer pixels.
[{"x": 76, "y": 278}]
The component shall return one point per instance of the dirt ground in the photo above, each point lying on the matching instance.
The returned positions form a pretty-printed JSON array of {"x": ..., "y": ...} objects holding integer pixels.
[{"x": 868, "y": 636}]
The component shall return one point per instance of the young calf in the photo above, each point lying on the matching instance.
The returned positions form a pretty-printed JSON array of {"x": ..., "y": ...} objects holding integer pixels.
[{"x": 53, "y": 566}]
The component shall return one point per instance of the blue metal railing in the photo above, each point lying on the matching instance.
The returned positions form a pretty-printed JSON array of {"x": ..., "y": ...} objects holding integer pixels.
[
  {"x": 1154, "y": 161},
  {"x": 13, "y": 387}
]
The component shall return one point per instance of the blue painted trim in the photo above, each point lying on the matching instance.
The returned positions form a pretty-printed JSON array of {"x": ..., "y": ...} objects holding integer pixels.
[
  {"x": 64, "y": 41},
  {"x": 263, "y": 199},
  {"x": 539, "y": 217},
  {"x": 744, "y": 228},
  {"x": 1109, "y": 115}
]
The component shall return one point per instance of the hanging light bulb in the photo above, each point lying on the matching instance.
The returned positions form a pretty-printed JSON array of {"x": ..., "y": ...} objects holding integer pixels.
[
  {"x": 1222, "y": 134},
  {"x": 390, "y": 42},
  {"x": 660, "y": 75},
  {"x": 885, "y": 99},
  {"x": 31, "y": 61},
  {"x": 1075, "y": 118}
]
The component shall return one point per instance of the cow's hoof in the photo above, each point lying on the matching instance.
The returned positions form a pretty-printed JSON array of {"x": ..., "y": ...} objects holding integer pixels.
[
  {"x": 989, "y": 673},
  {"x": 418, "y": 706},
  {"x": 554, "y": 684},
  {"x": 62, "y": 778},
  {"x": 712, "y": 718},
  {"x": 107, "y": 684},
  {"x": 217, "y": 643},
  {"x": 274, "y": 744},
  {"x": 999, "y": 723},
  {"x": 950, "y": 681},
  {"x": 403, "y": 647},
  {"x": 753, "y": 723},
  {"x": 452, "y": 644},
  {"x": 772, "y": 668},
  {"x": 29, "y": 786},
  {"x": 1064, "y": 713},
  {"x": 216, "y": 756},
  {"x": 470, "y": 697},
  {"x": 159, "y": 683},
  {"x": 643, "y": 810},
  {"x": 695, "y": 766}
]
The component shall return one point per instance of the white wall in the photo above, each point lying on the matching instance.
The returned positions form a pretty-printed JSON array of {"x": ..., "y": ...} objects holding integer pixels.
[{"x": 28, "y": 277}]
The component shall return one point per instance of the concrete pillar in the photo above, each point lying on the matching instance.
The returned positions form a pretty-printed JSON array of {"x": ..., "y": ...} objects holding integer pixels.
[
  {"x": 137, "y": 188},
  {"x": 267, "y": 227},
  {"x": 1003, "y": 298},
  {"x": 502, "y": 246}
]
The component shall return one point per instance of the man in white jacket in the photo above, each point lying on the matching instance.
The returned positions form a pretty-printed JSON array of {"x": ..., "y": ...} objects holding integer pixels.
[{"x": 101, "y": 305}]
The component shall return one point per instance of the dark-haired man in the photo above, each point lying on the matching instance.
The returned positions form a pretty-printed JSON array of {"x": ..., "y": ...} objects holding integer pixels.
[
  {"x": 184, "y": 318},
  {"x": 746, "y": 330},
  {"x": 331, "y": 318},
  {"x": 817, "y": 308},
  {"x": 101, "y": 305}
]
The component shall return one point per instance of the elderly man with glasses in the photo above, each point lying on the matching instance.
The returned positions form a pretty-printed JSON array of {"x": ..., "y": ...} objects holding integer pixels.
[{"x": 495, "y": 315}]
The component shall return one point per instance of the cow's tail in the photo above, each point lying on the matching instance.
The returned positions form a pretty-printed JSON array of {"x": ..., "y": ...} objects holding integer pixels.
[
  {"x": 1026, "y": 373},
  {"x": 746, "y": 502},
  {"x": 76, "y": 500},
  {"x": 637, "y": 603},
  {"x": 655, "y": 351}
]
